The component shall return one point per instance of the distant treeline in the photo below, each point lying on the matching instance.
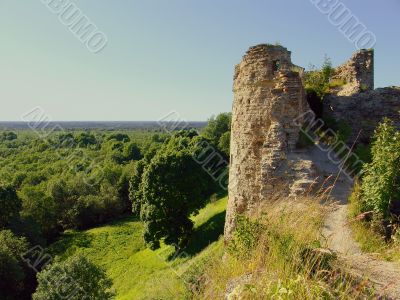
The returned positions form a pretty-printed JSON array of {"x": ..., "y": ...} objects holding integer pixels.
[{"x": 108, "y": 125}]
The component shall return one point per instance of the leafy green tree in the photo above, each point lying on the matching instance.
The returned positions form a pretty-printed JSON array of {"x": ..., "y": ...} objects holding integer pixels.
[
  {"x": 157, "y": 138},
  {"x": 66, "y": 139},
  {"x": 76, "y": 278},
  {"x": 217, "y": 127},
  {"x": 10, "y": 206},
  {"x": 174, "y": 187},
  {"x": 120, "y": 137},
  {"x": 135, "y": 187},
  {"x": 85, "y": 139},
  {"x": 12, "y": 268},
  {"x": 132, "y": 152},
  {"x": 123, "y": 186},
  {"x": 224, "y": 143},
  {"x": 8, "y": 136},
  {"x": 42, "y": 208},
  {"x": 381, "y": 182}
]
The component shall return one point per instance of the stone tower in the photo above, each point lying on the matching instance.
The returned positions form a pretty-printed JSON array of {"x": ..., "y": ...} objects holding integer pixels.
[
  {"x": 268, "y": 97},
  {"x": 357, "y": 73}
]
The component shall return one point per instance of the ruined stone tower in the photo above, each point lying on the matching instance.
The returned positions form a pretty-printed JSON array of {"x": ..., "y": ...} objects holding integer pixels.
[
  {"x": 357, "y": 73},
  {"x": 269, "y": 96}
]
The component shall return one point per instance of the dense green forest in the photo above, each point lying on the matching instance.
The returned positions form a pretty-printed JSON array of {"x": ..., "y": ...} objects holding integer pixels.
[
  {"x": 80, "y": 179},
  {"x": 137, "y": 214}
]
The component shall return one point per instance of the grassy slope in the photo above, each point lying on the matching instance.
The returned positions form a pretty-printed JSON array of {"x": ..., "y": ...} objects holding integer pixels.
[{"x": 137, "y": 272}]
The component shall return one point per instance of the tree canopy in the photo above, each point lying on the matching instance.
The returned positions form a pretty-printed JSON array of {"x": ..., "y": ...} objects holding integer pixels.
[
  {"x": 173, "y": 186},
  {"x": 76, "y": 278},
  {"x": 10, "y": 205},
  {"x": 218, "y": 131}
]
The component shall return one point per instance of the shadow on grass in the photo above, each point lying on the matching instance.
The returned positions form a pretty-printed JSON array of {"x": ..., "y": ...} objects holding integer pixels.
[
  {"x": 206, "y": 234},
  {"x": 69, "y": 241}
]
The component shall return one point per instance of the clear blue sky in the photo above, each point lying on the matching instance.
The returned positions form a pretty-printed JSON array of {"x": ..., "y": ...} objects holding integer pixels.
[{"x": 166, "y": 55}]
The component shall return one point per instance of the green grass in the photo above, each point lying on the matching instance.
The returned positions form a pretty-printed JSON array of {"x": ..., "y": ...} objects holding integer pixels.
[
  {"x": 278, "y": 255},
  {"x": 138, "y": 272}
]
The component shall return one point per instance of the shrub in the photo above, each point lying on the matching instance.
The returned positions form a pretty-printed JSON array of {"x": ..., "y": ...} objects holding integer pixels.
[
  {"x": 381, "y": 183},
  {"x": 246, "y": 236},
  {"x": 75, "y": 279},
  {"x": 318, "y": 80}
]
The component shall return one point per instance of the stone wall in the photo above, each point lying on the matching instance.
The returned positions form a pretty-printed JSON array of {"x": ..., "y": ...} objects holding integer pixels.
[
  {"x": 363, "y": 111},
  {"x": 356, "y": 103},
  {"x": 357, "y": 73},
  {"x": 268, "y": 97}
]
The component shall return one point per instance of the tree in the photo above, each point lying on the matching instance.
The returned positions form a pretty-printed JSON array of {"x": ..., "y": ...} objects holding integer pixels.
[
  {"x": 76, "y": 278},
  {"x": 85, "y": 139},
  {"x": 132, "y": 152},
  {"x": 174, "y": 187},
  {"x": 135, "y": 187},
  {"x": 10, "y": 205},
  {"x": 8, "y": 136},
  {"x": 218, "y": 131},
  {"x": 120, "y": 137},
  {"x": 41, "y": 208},
  {"x": 224, "y": 143},
  {"x": 12, "y": 268},
  {"x": 381, "y": 183},
  {"x": 217, "y": 126}
]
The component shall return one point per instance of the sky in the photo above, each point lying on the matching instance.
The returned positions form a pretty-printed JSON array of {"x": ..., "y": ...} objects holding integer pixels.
[{"x": 167, "y": 55}]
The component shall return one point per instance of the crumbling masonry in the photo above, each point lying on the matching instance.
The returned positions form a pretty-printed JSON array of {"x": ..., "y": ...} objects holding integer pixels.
[
  {"x": 266, "y": 119},
  {"x": 269, "y": 96}
]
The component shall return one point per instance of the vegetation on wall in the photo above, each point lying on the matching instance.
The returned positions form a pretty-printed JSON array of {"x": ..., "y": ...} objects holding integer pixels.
[{"x": 318, "y": 81}]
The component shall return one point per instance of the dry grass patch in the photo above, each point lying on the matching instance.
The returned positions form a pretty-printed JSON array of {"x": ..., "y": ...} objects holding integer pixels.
[{"x": 278, "y": 255}]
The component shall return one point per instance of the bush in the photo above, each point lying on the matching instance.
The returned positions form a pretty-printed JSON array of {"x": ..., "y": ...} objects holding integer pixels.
[
  {"x": 381, "y": 183},
  {"x": 75, "y": 279},
  {"x": 246, "y": 236},
  {"x": 318, "y": 81}
]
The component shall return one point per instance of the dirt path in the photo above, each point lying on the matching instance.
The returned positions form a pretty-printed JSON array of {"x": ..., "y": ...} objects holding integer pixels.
[{"x": 384, "y": 275}]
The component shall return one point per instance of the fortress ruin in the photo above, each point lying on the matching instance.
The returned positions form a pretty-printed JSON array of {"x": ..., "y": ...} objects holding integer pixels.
[
  {"x": 269, "y": 102},
  {"x": 269, "y": 95}
]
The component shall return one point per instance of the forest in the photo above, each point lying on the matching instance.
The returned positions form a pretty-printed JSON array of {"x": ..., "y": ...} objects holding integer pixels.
[{"x": 79, "y": 179}]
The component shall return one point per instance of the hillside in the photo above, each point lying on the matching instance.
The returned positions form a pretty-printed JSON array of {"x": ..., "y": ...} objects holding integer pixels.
[{"x": 136, "y": 271}]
